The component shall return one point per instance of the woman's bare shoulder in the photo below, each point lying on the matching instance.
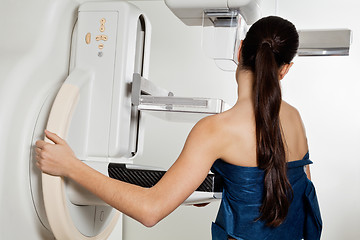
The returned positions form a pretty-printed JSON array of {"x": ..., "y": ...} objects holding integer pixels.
[
  {"x": 291, "y": 115},
  {"x": 289, "y": 110},
  {"x": 294, "y": 131},
  {"x": 214, "y": 126},
  {"x": 205, "y": 136},
  {"x": 209, "y": 124}
]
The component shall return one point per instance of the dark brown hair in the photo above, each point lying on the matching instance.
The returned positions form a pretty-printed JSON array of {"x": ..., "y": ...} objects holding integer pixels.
[{"x": 270, "y": 43}]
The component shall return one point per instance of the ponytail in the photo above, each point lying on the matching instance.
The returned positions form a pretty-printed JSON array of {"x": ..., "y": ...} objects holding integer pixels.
[
  {"x": 270, "y": 43},
  {"x": 270, "y": 146}
]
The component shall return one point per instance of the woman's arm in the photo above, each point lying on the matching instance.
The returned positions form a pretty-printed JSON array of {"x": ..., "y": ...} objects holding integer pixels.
[
  {"x": 307, "y": 171},
  {"x": 146, "y": 205}
]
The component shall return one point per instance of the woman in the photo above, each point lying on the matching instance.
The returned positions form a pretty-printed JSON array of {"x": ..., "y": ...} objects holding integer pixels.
[{"x": 261, "y": 143}]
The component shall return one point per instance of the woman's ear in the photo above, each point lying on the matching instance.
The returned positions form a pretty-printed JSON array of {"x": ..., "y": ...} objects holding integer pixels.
[
  {"x": 284, "y": 69},
  {"x": 239, "y": 51}
]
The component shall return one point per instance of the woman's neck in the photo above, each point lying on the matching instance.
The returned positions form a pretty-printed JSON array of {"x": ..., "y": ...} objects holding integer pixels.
[{"x": 245, "y": 81}]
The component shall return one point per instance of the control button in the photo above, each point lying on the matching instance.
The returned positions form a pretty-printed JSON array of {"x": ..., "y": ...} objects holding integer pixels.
[
  {"x": 101, "y": 46},
  {"x": 103, "y": 21},
  {"x": 102, "y": 28},
  {"x": 88, "y": 38},
  {"x": 101, "y": 37}
]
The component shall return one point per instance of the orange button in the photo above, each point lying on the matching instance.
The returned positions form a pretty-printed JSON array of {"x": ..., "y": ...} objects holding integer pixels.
[
  {"x": 101, "y": 46},
  {"x": 88, "y": 38}
]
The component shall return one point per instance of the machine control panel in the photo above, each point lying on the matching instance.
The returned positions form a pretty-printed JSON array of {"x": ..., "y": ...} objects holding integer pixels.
[
  {"x": 109, "y": 46},
  {"x": 102, "y": 26},
  {"x": 99, "y": 32},
  {"x": 98, "y": 55}
]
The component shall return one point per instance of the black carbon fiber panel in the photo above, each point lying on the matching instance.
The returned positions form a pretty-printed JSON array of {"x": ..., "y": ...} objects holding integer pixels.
[{"x": 148, "y": 178}]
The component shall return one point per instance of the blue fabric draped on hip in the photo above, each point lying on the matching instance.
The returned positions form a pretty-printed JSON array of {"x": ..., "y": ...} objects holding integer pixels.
[{"x": 242, "y": 198}]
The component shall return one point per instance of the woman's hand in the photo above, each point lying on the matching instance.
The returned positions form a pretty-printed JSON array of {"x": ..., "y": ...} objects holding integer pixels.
[{"x": 55, "y": 159}]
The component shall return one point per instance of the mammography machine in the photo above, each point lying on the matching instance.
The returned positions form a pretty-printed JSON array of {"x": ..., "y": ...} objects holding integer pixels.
[{"x": 80, "y": 69}]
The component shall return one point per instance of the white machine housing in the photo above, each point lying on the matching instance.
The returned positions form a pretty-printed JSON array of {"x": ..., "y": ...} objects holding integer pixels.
[
  {"x": 95, "y": 104},
  {"x": 191, "y": 12},
  {"x": 106, "y": 127},
  {"x": 224, "y": 22}
]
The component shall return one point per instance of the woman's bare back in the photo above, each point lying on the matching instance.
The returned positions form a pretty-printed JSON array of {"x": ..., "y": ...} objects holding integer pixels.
[{"x": 237, "y": 133}]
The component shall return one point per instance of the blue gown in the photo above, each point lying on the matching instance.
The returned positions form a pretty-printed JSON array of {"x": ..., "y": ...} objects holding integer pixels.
[{"x": 242, "y": 198}]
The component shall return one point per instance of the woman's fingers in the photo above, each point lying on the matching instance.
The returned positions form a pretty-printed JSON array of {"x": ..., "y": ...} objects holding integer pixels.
[
  {"x": 37, "y": 151},
  {"x": 40, "y": 144},
  {"x": 38, "y": 165},
  {"x": 53, "y": 137},
  {"x": 54, "y": 159}
]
